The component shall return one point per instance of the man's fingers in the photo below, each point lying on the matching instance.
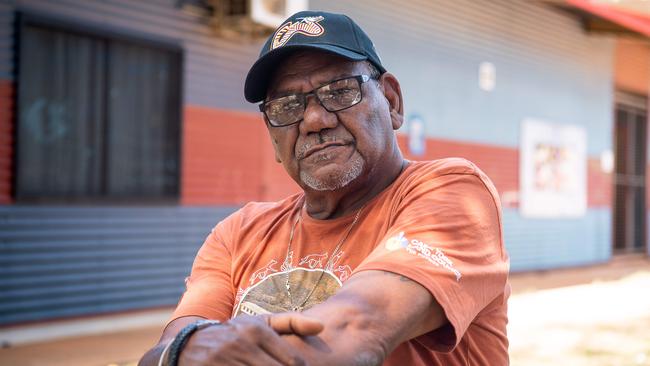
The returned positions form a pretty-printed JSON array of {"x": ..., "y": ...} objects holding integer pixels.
[{"x": 295, "y": 323}]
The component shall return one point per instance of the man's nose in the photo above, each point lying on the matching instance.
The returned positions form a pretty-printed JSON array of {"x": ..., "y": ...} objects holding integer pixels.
[{"x": 316, "y": 118}]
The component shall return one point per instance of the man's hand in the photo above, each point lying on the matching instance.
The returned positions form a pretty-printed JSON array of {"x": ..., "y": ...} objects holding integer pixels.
[
  {"x": 249, "y": 340},
  {"x": 244, "y": 340},
  {"x": 294, "y": 323}
]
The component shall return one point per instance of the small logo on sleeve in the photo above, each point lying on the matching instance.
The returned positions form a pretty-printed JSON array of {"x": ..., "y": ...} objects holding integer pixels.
[
  {"x": 307, "y": 26},
  {"x": 433, "y": 255}
]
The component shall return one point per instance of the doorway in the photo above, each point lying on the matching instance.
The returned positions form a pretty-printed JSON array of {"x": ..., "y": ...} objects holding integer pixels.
[{"x": 630, "y": 145}]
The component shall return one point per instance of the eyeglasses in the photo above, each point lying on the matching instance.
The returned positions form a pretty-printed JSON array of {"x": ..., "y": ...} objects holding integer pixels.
[{"x": 334, "y": 96}]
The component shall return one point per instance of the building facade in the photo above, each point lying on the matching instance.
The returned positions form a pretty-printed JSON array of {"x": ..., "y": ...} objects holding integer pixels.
[{"x": 124, "y": 135}]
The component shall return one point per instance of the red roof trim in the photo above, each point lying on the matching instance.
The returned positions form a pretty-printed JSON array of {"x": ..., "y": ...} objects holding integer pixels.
[{"x": 634, "y": 22}]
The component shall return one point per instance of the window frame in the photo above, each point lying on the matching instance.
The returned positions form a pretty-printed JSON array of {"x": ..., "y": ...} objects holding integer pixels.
[{"x": 28, "y": 17}]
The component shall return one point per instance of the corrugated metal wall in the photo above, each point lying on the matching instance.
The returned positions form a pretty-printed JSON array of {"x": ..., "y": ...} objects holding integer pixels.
[
  {"x": 547, "y": 67},
  {"x": 70, "y": 261},
  {"x": 214, "y": 67},
  {"x": 59, "y": 261},
  {"x": 551, "y": 243},
  {"x": 65, "y": 261}
]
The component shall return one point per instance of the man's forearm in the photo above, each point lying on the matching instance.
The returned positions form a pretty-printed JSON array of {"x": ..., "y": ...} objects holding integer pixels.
[
  {"x": 152, "y": 356},
  {"x": 368, "y": 318}
]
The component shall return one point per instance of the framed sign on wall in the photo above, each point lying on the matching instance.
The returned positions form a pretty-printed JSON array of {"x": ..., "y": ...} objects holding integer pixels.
[{"x": 552, "y": 170}]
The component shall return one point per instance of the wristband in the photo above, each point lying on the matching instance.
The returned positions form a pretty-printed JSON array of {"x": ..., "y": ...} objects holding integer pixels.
[{"x": 183, "y": 336}]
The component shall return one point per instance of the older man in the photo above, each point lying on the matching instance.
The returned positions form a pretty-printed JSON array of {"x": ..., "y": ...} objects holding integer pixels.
[{"x": 378, "y": 261}]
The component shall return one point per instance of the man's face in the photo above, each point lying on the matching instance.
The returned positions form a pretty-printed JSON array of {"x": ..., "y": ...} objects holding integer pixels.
[{"x": 328, "y": 151}]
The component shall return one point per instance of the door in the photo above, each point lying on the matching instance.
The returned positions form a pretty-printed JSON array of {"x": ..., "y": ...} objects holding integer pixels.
[{"x": 630, "y": 177}]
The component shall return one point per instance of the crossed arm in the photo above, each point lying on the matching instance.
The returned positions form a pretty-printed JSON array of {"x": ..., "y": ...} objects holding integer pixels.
[{"x": 361, "y": 324}]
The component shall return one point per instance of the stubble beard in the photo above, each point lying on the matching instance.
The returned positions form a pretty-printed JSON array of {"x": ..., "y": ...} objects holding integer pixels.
[{"x": 335, "y": 181}]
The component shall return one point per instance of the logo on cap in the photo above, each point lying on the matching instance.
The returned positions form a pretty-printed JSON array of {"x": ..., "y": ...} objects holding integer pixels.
[{"x": 307, "y": 26}]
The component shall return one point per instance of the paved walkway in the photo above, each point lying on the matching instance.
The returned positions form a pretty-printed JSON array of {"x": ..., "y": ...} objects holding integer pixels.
[{"x": 597, "y": 315}]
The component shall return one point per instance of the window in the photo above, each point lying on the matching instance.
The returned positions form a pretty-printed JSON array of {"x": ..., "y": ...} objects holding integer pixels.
[{"x": 98, "y": 118}]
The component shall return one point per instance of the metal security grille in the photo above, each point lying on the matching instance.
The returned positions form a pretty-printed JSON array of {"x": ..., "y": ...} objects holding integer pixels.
[{"x": 629, "y": 179}]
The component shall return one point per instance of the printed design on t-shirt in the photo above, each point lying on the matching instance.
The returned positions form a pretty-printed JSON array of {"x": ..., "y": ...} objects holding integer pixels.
[
  {"x": 314, "y": 260},
  {"x": 342, "y": 272},
  {"x": 267, "y": 290},
  {"x": 263, "y": 272},
  {"x": 317, "y": 260},
  {"x": 286, "y": 265},
  {"x": 416, "y": 247}
]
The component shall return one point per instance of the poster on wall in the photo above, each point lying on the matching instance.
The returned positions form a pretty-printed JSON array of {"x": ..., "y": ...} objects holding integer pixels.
[{"x": 553, "y": 170}]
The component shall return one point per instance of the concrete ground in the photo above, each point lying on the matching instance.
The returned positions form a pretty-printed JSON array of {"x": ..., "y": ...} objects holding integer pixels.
[{"x": 596, "y": 316}]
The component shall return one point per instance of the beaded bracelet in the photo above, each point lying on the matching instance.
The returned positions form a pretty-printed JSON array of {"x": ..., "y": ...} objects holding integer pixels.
[{"x": 183, "y": 336}]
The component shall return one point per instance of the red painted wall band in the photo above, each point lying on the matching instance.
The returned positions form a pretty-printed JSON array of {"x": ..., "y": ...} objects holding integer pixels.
[{"x": 228, "y": 159}]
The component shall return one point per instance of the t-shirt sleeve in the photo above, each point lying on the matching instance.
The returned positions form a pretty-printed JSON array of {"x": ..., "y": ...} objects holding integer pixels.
[
  {"x": 208, "y": 290},
  {"x": 446, "y": 235}
]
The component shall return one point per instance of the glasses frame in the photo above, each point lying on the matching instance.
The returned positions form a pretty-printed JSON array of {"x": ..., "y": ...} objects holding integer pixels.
[{"x": 361, "y": 79}]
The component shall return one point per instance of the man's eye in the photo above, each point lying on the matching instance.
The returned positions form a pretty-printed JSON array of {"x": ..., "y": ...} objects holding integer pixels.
[
  {"x": 289, "y": 106},
  {"x": 284, "y": 107},
  {"x": 340, "y": 92}
]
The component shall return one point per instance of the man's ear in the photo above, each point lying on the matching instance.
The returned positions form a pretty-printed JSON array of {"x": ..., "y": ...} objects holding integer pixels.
[{"x": 393, "y": 93}]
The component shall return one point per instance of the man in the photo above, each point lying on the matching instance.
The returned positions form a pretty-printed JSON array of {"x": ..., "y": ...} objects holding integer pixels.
[{"x": 378, "y": 261}]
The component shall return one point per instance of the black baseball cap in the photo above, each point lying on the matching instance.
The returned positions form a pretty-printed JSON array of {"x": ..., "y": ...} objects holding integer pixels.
[{"x": 309, "y": 30}]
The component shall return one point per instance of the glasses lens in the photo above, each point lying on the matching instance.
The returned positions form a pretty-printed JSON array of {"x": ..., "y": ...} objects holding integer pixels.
[
  {"x": 340, "y": 94},
  {"x": 284, "y": 111}
]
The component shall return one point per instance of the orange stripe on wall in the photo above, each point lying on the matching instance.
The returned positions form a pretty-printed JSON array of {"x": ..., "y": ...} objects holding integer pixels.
[
  {"x": 632, "y": 66},
  {"x": 501, "y": 164},
  {"x": 6, "y": 140},
  {"x": 600, "y": 185},
  {"x": 228, "y": 159},
  {"x": 220, "y": 159}
]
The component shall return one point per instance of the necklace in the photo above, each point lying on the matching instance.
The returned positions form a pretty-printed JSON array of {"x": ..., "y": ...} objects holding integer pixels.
[{"x": 300, "y": 306}]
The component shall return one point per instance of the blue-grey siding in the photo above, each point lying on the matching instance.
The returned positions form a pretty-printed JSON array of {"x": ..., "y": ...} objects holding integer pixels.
[
  {"x": 547, "y": 67},
  {"x": 63, "y": 261},
  {"x": 552, "y": 243}
]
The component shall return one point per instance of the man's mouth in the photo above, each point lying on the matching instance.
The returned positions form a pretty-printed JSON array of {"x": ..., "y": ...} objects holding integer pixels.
[{"x": 314, "y": 149}]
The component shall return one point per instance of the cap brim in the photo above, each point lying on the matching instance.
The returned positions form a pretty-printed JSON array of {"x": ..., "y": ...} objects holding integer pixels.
[{"x": 258, "y": 76}]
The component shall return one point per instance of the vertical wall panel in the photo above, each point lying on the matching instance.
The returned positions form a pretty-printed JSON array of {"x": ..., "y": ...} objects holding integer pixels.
[{"x": 632, "y": 66}]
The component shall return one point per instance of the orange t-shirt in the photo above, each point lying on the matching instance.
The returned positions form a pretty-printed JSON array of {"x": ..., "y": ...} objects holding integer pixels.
[{"x": 438, "y": 224}]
